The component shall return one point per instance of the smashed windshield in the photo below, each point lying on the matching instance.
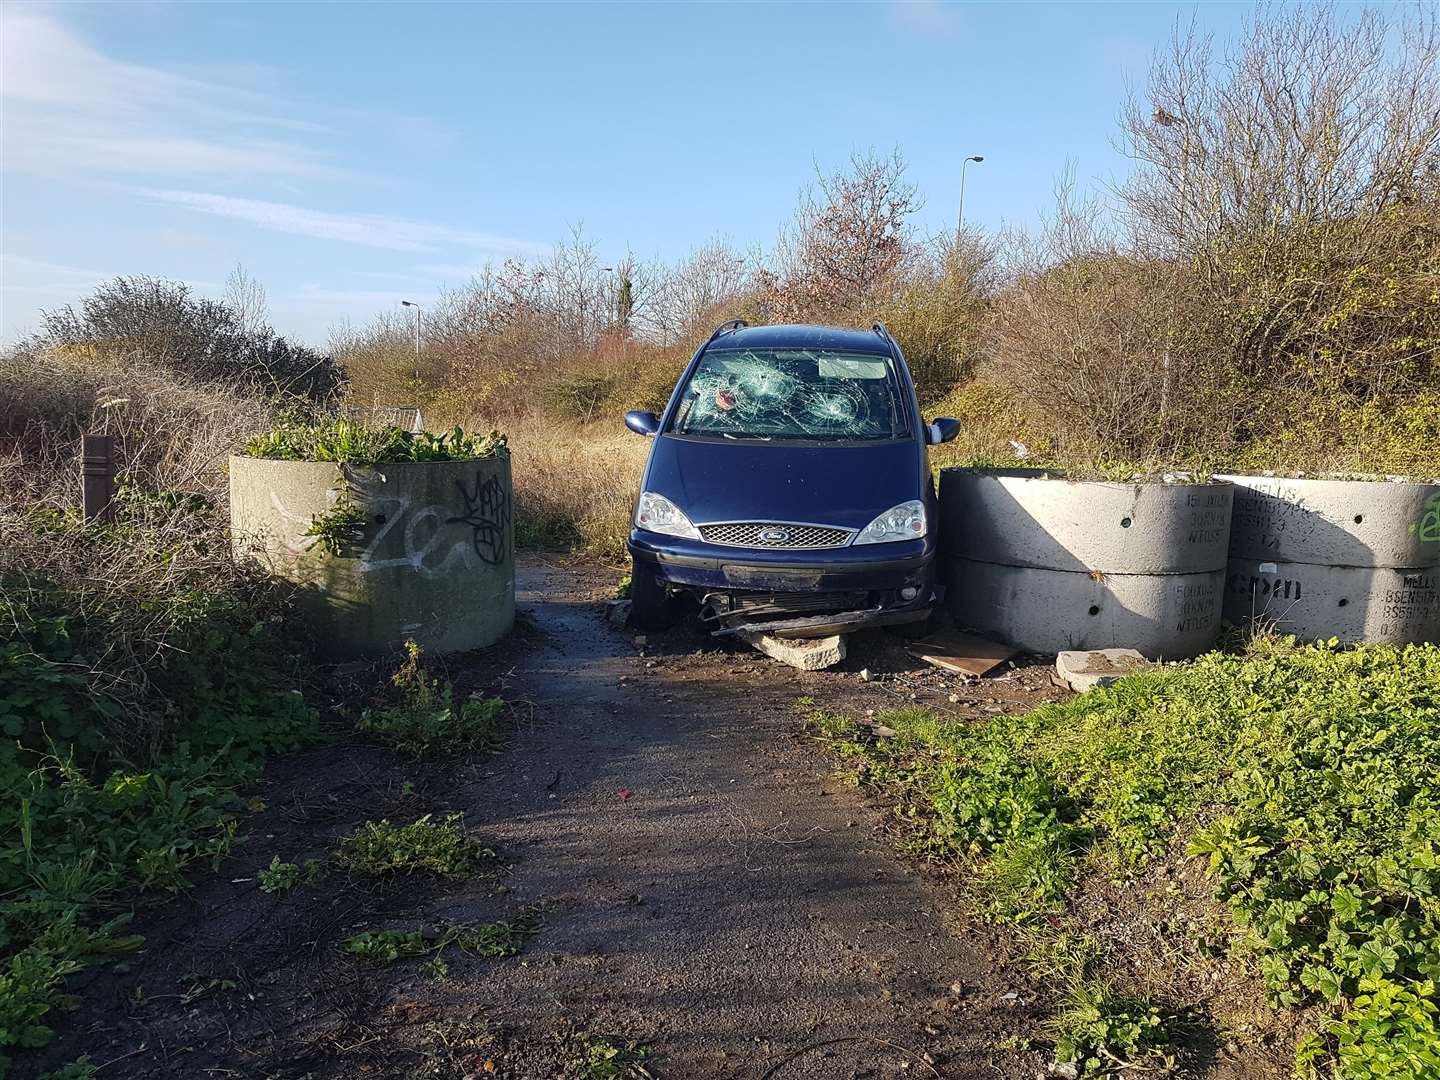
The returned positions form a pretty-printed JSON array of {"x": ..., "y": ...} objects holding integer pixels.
[{"x": 792, "y": 394}]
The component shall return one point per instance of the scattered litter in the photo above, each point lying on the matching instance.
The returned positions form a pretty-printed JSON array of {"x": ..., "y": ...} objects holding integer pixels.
[
  {"x": 865, "y": 675},
  {"x": 964, "y": 653},
  {"x": 883, "y": 732},
  {"x": 806, "y": 654},
  {"x": 625, "y": 794},
  {"x": 1082, "y": 670}
]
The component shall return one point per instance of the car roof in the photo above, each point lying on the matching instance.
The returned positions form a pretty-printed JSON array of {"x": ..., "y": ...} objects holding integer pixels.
[{"x": 802, "y": 336}]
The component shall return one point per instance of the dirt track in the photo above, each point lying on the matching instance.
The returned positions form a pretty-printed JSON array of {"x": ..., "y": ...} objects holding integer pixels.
[{"x": 708, "y": 889}]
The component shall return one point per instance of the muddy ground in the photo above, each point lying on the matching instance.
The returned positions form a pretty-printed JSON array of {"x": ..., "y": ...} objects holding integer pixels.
[{"x": 705, "y": 888}]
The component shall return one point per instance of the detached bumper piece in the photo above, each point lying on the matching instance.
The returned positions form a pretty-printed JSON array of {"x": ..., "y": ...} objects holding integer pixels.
[{"x": 815, "y": 615}]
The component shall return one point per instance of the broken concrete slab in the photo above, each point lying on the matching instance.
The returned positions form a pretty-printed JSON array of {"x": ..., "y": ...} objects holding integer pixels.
[
  {"x": 807, "y": 654},
  {"x": 617, "y": 613},
  {"x": 964, "y": 653},
  {"x": 1083, "y": 670}
]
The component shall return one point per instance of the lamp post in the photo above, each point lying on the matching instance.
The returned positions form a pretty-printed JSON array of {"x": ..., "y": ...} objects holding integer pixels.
[
  {"x": 1167, "y": 119},
  {"x": 960, "y": 223},
  {"x": 411, "y": 303}
]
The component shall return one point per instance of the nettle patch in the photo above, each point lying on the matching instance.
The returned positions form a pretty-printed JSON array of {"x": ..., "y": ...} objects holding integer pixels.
[
  {"x": 425, "y": 846},
  {"x": 1306, "y": 778},
  {"x": 425, "y": 719},
  {"x": 348, "y": 443},
  {"x": 485, "y": 940}
]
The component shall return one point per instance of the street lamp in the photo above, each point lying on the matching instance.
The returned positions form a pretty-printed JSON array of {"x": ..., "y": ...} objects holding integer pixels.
[
  {"x": 411, "y": 303},
  {"x": 960, "y": 224}
]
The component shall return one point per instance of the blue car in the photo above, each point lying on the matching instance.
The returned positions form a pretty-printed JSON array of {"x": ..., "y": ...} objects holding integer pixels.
[{"x": 788, "y": 487}]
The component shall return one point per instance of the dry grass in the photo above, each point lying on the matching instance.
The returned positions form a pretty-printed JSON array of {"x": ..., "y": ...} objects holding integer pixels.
[
  {"x": 172, "y": 434},
  {"x": 576, "y": 485},
  {"x": 132, "y": 595}
]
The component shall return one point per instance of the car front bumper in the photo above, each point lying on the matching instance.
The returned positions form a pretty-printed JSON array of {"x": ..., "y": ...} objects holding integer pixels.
[{"x": 855, "y": 586}]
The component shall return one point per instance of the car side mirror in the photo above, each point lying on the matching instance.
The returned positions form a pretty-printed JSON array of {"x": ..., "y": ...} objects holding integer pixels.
[
  {"x": 942, "y": 429},
  {"x": 645, "y": 423}
]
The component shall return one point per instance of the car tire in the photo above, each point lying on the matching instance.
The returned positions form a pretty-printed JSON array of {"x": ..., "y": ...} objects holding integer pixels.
[{"x": 651, "y": 605}]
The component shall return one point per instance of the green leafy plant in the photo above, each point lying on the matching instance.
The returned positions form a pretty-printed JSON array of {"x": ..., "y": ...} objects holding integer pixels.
[
  {"x": 338, "y": 527},
  {"x": 605, "y": 1057},
  {"x": 490, "y": 940},
  {"x": 1390, "y": 1030},
  {"x": 424, "y": 846},
  {"x": 1304, "y": 777},
  {"x": 386, "y": 946},
  {"x": 80, "y": 1069},
  {"x": 346, "y": 442},
  {"x": 281, "y": 877},
  {"x": 1101, "y": 1032},
  {"x": 426, "y": 718}
]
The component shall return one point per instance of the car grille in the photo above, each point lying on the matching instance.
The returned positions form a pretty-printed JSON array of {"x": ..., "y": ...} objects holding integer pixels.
[{"x": 753, "y": 534}]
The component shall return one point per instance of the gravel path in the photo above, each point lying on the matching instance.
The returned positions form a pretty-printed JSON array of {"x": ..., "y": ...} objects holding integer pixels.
[
  {"x": 708, "y": 889},
  {"x": 736, "y": 903}
]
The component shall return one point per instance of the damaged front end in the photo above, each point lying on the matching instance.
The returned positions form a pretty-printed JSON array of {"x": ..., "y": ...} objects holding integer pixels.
[
  {"x": 797, "y": 594},
  {"x": 812, "y": 615}
]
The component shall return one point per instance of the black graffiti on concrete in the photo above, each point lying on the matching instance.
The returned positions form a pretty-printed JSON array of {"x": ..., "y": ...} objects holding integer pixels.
[{"x": 487, "y": 511}]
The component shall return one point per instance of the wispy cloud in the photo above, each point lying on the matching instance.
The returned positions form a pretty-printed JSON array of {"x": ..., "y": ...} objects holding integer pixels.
[
  {"x": 457, "y": 270},
  {"x": 931, "y": 18},
  {"x": 371, "y": 230},
  {"x": 56, "y": 273},
  {"x": 70, "y": 107}
]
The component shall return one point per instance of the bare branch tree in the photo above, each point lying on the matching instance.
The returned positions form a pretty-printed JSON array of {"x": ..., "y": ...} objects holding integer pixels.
[
  {"x": 850, "y": 234},
  {"x": 246, "y": 297}
]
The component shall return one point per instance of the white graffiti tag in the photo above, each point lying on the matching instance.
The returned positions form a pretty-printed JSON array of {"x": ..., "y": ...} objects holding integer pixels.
[{"x": 426, "y": 553}]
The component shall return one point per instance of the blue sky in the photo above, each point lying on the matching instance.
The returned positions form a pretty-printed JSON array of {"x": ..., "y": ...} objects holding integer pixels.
[{"x": 350, "y": 155}]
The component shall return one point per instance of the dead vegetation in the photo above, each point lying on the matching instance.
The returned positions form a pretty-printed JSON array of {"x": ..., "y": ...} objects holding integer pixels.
[{"x": 1261, "y": 293}]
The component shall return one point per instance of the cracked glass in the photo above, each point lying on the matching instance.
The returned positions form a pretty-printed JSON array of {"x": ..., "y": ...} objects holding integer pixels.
[{"x": 811, "y": 394}]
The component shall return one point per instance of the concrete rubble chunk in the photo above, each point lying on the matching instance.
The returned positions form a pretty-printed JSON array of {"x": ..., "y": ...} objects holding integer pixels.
[
  {"x": 807, "y": 654},
  {"x": 1083, "y": 670},
  {"x": 617, "y": 613}
]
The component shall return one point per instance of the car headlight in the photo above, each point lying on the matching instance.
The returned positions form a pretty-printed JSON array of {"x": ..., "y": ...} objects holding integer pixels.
[
  {"x": 903, "y": 522},
  {"x": 659, "y": 514}
]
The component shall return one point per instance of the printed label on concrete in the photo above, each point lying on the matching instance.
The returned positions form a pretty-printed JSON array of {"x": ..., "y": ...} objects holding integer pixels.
[
  {"x": 1354, "y": 604},
  {"x": 1336, "y": 522}
]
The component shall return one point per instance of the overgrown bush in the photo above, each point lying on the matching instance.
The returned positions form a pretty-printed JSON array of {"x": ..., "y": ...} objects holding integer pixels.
[
  {"x": 195, "y": 338},
  {"x": 577, "y": 487},
  {"x": 348, "y": 443}
]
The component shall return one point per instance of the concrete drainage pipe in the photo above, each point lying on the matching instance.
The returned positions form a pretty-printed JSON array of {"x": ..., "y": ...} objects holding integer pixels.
[
  {"x": 1050, "y": 564},
  {"x": 1357, "y": 560},
  {"x": 424, "y": 552}
]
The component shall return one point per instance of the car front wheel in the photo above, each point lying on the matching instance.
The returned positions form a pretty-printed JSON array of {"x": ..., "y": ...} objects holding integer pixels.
[{"x": 651, "y": 605}]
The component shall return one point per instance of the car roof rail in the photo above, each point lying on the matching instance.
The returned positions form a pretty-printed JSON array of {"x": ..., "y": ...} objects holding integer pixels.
[
  {"x": 879, "y": 328},
  {"x": 726, "y": 326}
]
